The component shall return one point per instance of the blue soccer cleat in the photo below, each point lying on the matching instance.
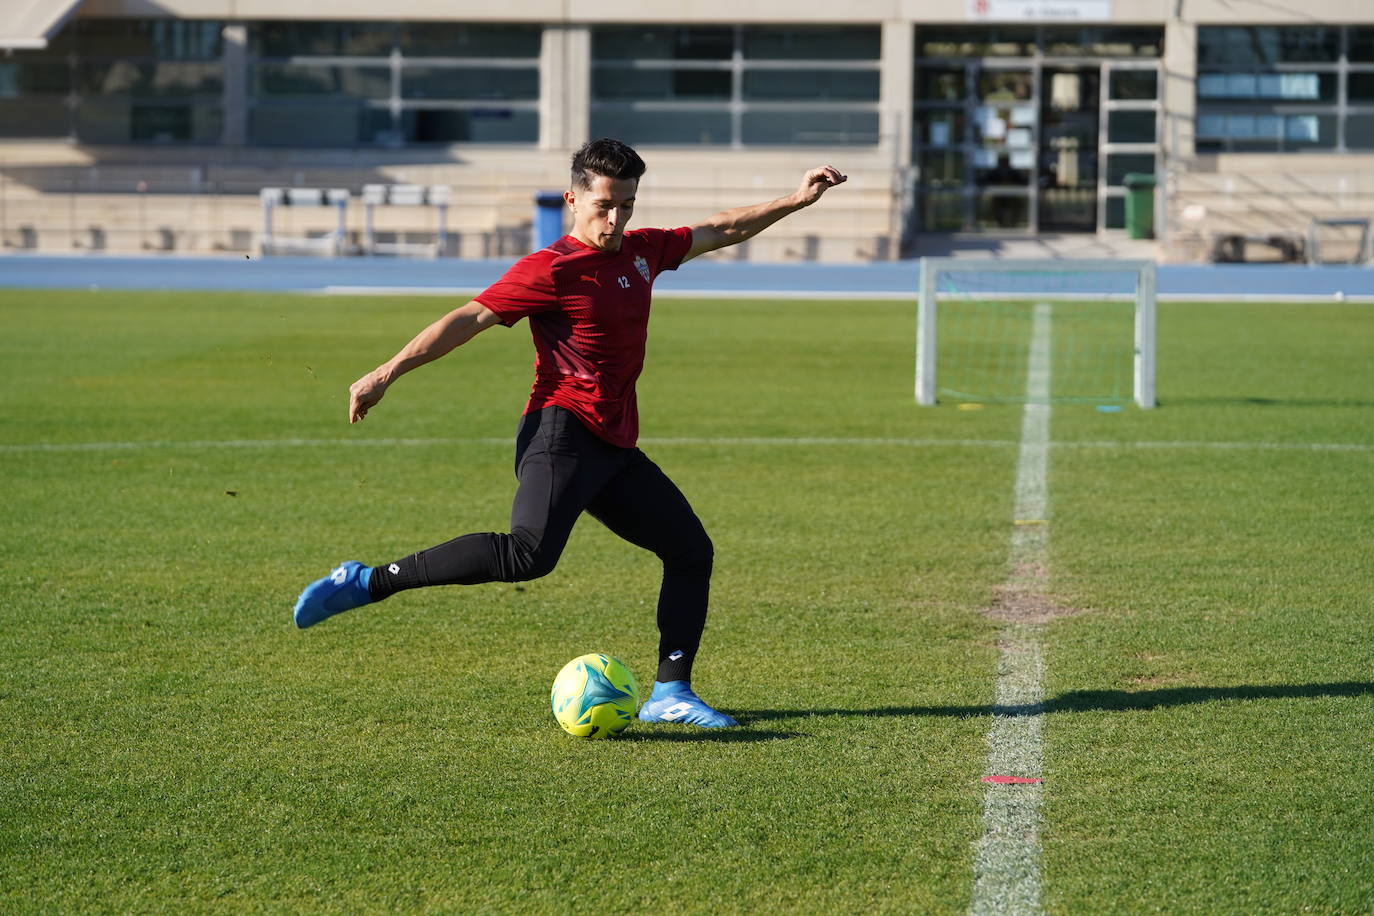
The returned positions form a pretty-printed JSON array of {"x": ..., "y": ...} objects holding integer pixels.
[
  {"x": 675, "y": 702},
  {"x": 342, "y": 590}
]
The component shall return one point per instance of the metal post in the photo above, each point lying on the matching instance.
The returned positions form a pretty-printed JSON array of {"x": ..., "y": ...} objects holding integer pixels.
[
  {"x": 1145, "y": 337},
  {"x": 269, "y": 203},
  {"x": 369, "y": 229},
  {"x": 925, "y": 337},
  {"x": 441, "y": 242},
  {"x": 71, "y": 215},
  {"x": 142, "y": 188},
  {"x": 340, "y": 201}
]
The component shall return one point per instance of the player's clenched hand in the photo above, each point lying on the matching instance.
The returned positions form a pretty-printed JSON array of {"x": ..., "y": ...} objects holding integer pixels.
[
  {"x": 364, "y": 394},
  {"x": 817, "y": 181}
]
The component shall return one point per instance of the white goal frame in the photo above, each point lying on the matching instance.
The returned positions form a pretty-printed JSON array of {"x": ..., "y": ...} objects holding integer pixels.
[{"x": 927, "y": 323}]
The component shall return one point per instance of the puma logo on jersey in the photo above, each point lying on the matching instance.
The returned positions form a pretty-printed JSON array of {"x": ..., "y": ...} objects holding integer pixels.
[{"x": 591, "y": 280}]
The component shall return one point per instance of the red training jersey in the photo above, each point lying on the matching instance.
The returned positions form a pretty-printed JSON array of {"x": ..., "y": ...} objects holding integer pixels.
[{"x": 589, "y": 316}]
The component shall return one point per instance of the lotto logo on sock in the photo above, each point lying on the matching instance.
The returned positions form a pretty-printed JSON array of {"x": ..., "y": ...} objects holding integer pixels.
[
  {"x": 676, "y": 655},
  {"x": 394, "y": 569}
]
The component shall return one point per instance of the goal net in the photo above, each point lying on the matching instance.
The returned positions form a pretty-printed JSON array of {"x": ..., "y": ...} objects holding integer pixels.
[{"x": 978, "y": 320}]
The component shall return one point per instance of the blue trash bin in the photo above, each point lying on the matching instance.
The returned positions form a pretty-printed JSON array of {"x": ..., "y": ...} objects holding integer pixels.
[{"x": 548, "y": 218}]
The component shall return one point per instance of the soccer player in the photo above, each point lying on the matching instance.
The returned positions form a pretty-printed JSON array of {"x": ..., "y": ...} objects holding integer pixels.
[{"x": 587, "y": 299}]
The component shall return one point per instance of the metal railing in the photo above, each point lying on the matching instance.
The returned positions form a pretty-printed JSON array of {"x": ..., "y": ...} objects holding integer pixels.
[
  {"x": 208, "y": 209},
  {"x": 215, "y": 208}
]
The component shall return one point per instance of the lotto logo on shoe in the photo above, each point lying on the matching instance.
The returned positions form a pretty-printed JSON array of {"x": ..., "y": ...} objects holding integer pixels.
[
  {"x": 675, "y": 712},
  {"x": 393, "y": 569},
  {"x": 338, "y": 576}
]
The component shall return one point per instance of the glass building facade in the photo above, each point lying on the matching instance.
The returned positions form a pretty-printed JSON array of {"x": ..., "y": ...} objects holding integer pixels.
[
  {"x": 119, "y": 81},
  {"x": 1033, "y": 128},
  {"x": 308, "y": 84},
  {"x": 379, "y": 84},
  {"x": 1285, "y": 89},
  {"x": 1001, "y": 127},
  {"x": 737, "y": 86}
]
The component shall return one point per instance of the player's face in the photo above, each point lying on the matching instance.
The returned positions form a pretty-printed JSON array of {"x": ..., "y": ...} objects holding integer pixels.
[{"x": 601, "y": 212}]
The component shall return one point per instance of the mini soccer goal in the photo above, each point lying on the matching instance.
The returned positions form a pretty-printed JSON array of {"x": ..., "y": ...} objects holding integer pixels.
[{"x": 979, "y": 319}]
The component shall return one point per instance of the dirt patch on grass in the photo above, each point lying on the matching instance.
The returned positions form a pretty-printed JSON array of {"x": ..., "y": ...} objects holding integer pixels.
[
  {"x": 1024, "y": 600},
  {"x": 1022, "y": 603},
  {"x": 1155, "y": 681}
]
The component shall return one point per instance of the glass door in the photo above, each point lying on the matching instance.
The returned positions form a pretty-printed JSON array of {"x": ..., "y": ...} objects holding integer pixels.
[
  {"x": 1130, "y": 137},
  {"x": 1005, "y": 125},
  {"x": 941, "y": 139},
  {"x": 1067, "y": 164}
]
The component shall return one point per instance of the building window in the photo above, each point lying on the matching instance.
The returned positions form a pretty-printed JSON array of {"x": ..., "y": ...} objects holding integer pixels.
[
  {"x": 34, "y": 91},
  {"x": 1280, "y": 89},
  {"x": 1133, "y": 85},
  {"x": 392, "y": 84},
  {"x": 736, "y": 85},
  {"x": 1252, "y": 45},
  {"x": 148, "y": 80},
  {"x": 112, "y": 81}
]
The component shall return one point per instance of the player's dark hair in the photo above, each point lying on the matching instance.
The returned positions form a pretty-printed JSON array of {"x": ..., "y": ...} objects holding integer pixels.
[{"x": 607, "y": 157}]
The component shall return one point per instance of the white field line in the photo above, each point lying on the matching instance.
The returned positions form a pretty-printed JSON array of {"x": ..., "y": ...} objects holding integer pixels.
[
  {"x": 160, "y": 444},
  {"x": 729, "y": 441},
  {"x": 1006, "y": 862},
  {"x": 1229, "y": 446},
  {"x": 760, "y": 441}
]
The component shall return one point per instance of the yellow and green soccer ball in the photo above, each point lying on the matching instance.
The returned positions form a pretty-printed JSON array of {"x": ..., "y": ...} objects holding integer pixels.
[{"x": 594, "y": 696}]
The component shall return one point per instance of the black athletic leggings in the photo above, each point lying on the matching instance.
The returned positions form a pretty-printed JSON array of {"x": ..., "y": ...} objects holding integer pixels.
[{"x": 564, "y": 470}]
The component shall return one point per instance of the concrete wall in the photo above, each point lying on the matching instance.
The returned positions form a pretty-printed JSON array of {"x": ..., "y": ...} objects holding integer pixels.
[
  {"x": 1209, "y": 12},
  {"x": 1267, "y": 199}
]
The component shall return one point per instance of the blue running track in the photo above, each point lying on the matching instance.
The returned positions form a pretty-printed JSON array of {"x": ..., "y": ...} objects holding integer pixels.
[{"x": 887, "y": 279}]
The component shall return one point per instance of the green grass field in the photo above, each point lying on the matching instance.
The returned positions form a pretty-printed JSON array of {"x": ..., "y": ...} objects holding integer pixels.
[{"x": 178, "y": 466}]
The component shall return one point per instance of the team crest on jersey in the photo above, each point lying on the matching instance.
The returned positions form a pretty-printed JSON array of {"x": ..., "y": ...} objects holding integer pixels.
[{"x": 643, "y": 267}]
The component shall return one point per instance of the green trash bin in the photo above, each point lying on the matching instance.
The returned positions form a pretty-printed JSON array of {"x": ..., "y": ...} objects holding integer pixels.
[{"x": 1140, "y": 205}]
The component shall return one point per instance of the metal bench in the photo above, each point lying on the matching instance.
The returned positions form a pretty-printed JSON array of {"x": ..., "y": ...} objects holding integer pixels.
[{"x": 1230, "y": 247}]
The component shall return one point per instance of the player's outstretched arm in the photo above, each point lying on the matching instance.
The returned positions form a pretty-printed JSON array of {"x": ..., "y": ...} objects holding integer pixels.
[
  {"x": 453, "y": 330},
  {"x": 730, "y": 227}
]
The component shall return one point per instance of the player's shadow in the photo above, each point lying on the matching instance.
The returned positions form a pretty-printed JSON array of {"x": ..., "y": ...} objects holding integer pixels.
[
  {"x": 1256, "y": 401},
  {"x": 1086, "y": 701},
  {"x": 743, "y": 735}
]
